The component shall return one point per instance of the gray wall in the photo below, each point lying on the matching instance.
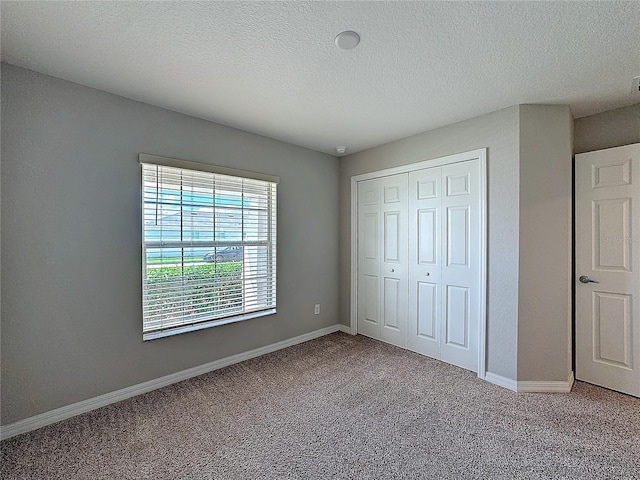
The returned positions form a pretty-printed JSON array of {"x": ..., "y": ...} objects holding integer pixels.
[
  {"x": 544, "y": 309},
  {"x": 499, "y": 131},
  {"x": 71, "y": 236},
  {"x": 608, "y": 129}
]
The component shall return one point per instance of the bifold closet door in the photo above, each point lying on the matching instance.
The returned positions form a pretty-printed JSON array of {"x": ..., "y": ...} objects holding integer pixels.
[
  {"x": 461, "y": 242},
  {"x": 425, "y": 231},
  {"x": 444, "y": 263},
  {"x": 383, "y": 259}
]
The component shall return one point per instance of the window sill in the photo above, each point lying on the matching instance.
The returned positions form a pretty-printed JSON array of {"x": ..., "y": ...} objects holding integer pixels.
[{"x": 202, "y": 325}]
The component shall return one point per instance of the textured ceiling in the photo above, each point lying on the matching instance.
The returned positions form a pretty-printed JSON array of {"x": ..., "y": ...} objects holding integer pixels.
[{"x": 272, "y": 67}]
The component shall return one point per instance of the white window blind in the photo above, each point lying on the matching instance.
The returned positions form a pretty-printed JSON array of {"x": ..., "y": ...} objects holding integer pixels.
[{"x": 209, "y": 248}]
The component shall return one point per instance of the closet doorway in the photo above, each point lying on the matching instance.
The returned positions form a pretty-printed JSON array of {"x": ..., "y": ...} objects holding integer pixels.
[{"x": 418, "y": 268}]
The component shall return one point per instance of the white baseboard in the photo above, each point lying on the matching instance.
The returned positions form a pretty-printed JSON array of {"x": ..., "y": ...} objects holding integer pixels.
[
  {"x": 344, "y": 328},
  {"x": 501, "y": 381},
  {"x": 68, "y": 411},
  {"x": 547, "y": 387},
  {"x": 531, "y": 387}
]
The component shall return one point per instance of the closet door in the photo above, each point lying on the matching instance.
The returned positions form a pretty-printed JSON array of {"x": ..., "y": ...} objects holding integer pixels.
[
  {"x": 382, "y": 259},
  {"x": 420, "y": 259},
  {"x": 425, "y": 310},
  {"x": 369, "y": 258},
  {"x": 461, "y": 242},
  {"x": 444, "y": 263},
  {"x": 394, "y": 267}
]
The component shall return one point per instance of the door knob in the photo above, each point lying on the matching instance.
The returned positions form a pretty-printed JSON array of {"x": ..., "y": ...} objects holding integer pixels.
[
  {"x": 427, "y": 274},
  {"x": 586, "y": 279},
  {"x": 393, "y": 270}
]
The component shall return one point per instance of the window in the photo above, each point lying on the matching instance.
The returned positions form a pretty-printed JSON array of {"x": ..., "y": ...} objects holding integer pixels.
[{"x": 209, "y": 246}]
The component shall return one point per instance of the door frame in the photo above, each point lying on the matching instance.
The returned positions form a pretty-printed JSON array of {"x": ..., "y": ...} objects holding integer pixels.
[{"x": 481, "y": 156}]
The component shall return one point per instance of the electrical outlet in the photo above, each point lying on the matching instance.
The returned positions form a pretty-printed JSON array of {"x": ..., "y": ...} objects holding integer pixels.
[
  {"x": 636, "y": 84},
  {"x": 317, "y": 309}
]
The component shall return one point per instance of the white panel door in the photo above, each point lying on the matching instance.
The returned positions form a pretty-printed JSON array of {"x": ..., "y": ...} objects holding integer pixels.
[
  {"x": 369, "y": 258},
  {"x": 608, "y": 268},
  {"x": 382, "y": 259},
  {"x": 444, "y": 263},
  {"x": 460, "y": 257},
  {"x": 425, "y": 261},
  {"x": 393, "y": 328}
]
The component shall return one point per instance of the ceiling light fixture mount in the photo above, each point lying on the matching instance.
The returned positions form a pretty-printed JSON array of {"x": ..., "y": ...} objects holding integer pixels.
[{"x": 347, "y": 40}]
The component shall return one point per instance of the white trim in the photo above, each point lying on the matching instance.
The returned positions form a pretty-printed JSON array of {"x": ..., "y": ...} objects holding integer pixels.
[
  {"x": 546, "y": 387},
  {"x": 354, "y": 256},
  {"x": 501, "y": 381},
  {"x": 435, "y": 162},
  {"x": 345, "y": 329},
  {"x": 192, "y": 327},
  {"x": 482, "y": 327},
  {"x": 68, "y": 411},
  {"x": 481, "y": 156},
  {"x": 529, "y": 386},
  {"x": 204, "y": 167}
]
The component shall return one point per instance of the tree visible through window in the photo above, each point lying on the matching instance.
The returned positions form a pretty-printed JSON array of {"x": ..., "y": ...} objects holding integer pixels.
[{"x": 209, "y": 248}]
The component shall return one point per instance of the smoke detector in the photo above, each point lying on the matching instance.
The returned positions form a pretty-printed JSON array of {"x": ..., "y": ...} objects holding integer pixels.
[{"x": 341, "y": 150}]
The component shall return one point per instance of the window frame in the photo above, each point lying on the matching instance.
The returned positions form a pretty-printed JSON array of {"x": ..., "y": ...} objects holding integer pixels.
[{"x": 176, "y": 326}]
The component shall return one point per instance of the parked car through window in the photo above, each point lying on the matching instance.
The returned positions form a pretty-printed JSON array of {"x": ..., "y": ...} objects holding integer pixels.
[{"x": 226, "y": 254}]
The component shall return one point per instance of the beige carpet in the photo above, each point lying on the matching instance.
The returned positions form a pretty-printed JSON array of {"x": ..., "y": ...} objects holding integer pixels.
[{"x": 339, "y": 407}]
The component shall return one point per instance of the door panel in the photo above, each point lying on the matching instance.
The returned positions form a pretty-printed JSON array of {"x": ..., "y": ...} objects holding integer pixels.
[
  {"x": 392, "y": 194},
  {"x": 425, "y": 228},
  {"x": 461, "y": 264},
  {"x": 457, "y": 317},
  {"x": 382, "y": 259},
  {"x": 427, "y": 231},
  {"x": 370, "y": 300},
  {"x": 394, "y": 264},
  {"x": 427, "y": 310},
  {"x": 607, "y": 233},
  {"x": 612, "y": 174},
  {"x": 612, "y": 329},
  {"x": 427, "y": 187},
  {"x": 392, "y": 236},
  {"x": 611, "y": 221},
  {"x": 458, "y": 236},
  {"x": 391, "y": 299},
  {"x": 369, "y": 258},
  {"x": 370, "y": 240},
  {"x": 457, "y": 184}
]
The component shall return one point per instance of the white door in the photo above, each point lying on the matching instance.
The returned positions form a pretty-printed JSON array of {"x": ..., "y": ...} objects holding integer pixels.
[
  {"x": 425, "y": 265},
  {"x": 608, "y": 268},
  {"x": 461, "y": 240},
  {"x": 369, "y": 258},
  {"x": 382, "y": 259},
  {"x": 444, "y": 269}
]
